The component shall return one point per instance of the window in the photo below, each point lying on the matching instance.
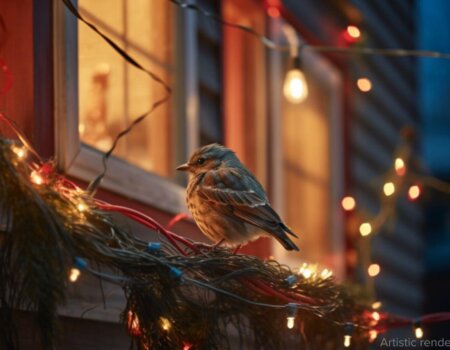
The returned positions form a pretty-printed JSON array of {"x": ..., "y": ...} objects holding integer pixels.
[
  {"x": 98, "y": 94},
  {"x": 112, "y": 92},
  {"x": 309, "y": 162}
]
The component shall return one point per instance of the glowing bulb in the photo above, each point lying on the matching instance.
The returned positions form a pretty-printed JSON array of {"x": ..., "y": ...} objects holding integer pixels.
[
  {"x": 307, "y": 273},
  {"x": 376, "y": 305},
  {"x": 353, "y": 31},
  {"x": 19, "y": 151},
  {"x": 273, "y": 12},
  {"x": 389, "y": 189},
  {"x": 326, "y": 273},
  {"x": 400, "y": 167},
  {"x": 418, "y": 331},
  {"x": 133, "y": 324},
  {"x": 348, "y": 203},
  {"x": 376, "y": 316},
  {"x": 74, "y": 274},
  {"x": 290, "y": 322},
  {"x": 165, "y": 324},
  {"x": 373, "y": 270},
  {"x": 364, "y": 84},
  {"x": 36, "y": 178},
  {"x": 347, "y": 340},
  {"x": 295, "y": 88},
  {"x": 373, "y": 334},
  {"x": 365, "y": 229},
  {"x": 414, "y": 192},
  {"x": 81, "y": 207}
]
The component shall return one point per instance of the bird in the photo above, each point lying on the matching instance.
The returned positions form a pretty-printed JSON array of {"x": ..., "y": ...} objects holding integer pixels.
[{"x": 227, "y": 202}]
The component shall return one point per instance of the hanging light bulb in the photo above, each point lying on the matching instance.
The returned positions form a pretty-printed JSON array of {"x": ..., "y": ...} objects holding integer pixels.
[
  {"x": 348, "y": 331},
  {"x": 291, "y": 309},
  {"x": 418, "y": 331},
  {"x": 295, "y": 87}
]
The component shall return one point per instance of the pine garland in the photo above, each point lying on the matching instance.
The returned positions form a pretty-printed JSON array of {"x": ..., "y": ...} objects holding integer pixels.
[{"x": 180, "y": 294}]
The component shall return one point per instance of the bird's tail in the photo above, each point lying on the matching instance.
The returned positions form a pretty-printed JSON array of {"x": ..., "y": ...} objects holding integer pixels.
[{"x": 285, "y": 241}]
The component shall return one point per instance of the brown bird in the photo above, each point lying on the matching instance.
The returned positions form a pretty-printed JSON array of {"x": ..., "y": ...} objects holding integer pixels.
[{"x": 227, "y": 202}]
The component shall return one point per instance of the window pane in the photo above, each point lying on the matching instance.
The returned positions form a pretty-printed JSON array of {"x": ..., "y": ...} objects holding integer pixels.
[
  {"x": 112, "y": 92},
  {"x": 307, "y": 167}
]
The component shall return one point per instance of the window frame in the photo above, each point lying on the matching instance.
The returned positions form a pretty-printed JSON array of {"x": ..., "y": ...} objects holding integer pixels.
[{"x": 84, "y": 162}]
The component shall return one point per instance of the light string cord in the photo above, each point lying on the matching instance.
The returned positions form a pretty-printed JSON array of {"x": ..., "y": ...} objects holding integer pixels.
[
  {"x": 320, "y": 48},
  {"x": 93, "y": 186}
]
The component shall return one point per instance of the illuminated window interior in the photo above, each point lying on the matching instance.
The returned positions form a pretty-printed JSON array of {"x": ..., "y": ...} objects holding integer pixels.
[{"x": 112, "y": 93}]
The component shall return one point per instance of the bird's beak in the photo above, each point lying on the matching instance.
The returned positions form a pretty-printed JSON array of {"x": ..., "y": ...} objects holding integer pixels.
[{"x": 184, "y": 167}]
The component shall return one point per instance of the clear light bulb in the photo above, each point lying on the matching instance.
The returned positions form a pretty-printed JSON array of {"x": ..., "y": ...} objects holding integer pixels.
[
  {"x": 418, "y": 332},
  {"x": 290, "y": 322},
  {"x": 347, "y": 340},
  {"x": 295, "y": 88}
]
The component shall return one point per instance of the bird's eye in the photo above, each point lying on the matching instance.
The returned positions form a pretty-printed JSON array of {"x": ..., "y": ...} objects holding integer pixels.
[{"x": 201, "y": 160}]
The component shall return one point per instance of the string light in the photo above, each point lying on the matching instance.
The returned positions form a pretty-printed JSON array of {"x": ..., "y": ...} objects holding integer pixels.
[
  {"x": 365, "y": 229},
  {"x": 74, "y": 274},
  {"x": 348, "y": 331},
  {"x": 373, "y": 334},
  {"x": 295, "y": 88},
  {"x": 326, "y": 273},
  {"x": 273, "y": 12},
  {"x": 418, "y": 331},
  {"x": 373, "y": 270},
  {"x": 20, "y": 152},
  {"x": 376, "y": 305},
  {"x": 364, "y": 84},
  {"x": 376, "y": 316},
  {"x": 81, "y": 207},
  {"x": 414, "y": 192},
  {"x": 307, "y": 271},
  {"x": 165, "y": 324},
  {"x": 389, "y": 189},
  {"x": 348, "y": 203},
  {"x": 36, "y": 178},
  {"x": 291, "y": 309},
  {"x": 400, "y": 167},
  {"x": 353, "y": 31}
]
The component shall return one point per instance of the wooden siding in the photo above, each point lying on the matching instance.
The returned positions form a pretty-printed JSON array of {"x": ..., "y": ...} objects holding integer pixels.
[{"x": 377, "y": 118}]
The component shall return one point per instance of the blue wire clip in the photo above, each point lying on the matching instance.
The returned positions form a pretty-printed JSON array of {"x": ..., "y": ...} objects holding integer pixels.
[
  {"x": 153, "y": 247},
  {"x": 80, "y": 263}
]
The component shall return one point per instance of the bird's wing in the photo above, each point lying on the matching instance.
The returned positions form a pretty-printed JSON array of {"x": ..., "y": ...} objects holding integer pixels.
[{"x": 243, "y": 196}]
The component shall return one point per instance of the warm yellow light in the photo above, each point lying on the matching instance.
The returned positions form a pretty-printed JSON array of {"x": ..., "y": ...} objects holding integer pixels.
[
  {"x": 389, "y": 189},
  {"x": 290, "y": 322},
  {"x": 376, "y": 316},
  {"x": 365, "y": 229},
  {"x": 326, "y": 273},
  {"x": 418, "y": 332},
  {"x": 376, "y": 305},
  {"x": 307, "y": 273},
  {"x": 400, "y": 167},
  {"x": 348, "y": 203},
  {"x": 81, "y": 207},
  {"x": 36, "y": 178},
  {"x": 373, "y": 334},
  {"x": 19, "y": 151},
  {"x": 295, "y": 87},
  {"x": 347, "y": 340},
  {"x": 165, "y": 324},
  {"x": 353, "y": 31},
  {"x": 414, "y": 192},
  {"x": 74, "y": 274},
  {"x": 364, "y": 84},
  {"x": 373, "y": 270}
]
